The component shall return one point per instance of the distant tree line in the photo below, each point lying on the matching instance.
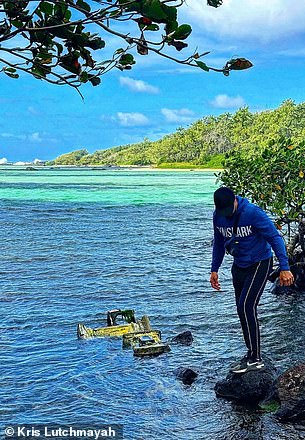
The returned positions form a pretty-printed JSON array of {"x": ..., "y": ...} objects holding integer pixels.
[{"x": 206, "y": 141}]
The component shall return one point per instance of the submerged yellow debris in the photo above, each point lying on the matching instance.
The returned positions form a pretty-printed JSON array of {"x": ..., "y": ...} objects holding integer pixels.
[{"x": 141, "y": 325}]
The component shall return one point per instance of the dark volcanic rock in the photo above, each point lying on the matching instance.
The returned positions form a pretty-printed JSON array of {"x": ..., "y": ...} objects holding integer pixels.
[
  {"x": 297, "y": 265},
  {"x": 289, "y": 389},
  {"x": 184, "y": 338},
  {"x": 285, "y": 290},
  {"x": 186, "y": 375},
  {"x": 250, "y": 387}
]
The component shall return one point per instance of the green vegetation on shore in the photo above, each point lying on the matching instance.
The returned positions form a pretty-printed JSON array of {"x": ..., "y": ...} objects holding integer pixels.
[
  {"x": 205, "y": 142},
  {"x": 281, "y": 191}
]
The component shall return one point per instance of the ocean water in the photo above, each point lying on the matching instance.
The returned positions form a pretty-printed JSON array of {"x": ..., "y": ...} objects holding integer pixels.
[{"x": 76, "y": 243}]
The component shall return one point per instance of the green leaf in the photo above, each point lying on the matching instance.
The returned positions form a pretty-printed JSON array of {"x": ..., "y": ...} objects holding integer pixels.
[
  {"x": 68, "y": 15},
  {"x": 182, "y": 32},
  {"x": 149, "y": 27},
  {"x": 85, "y": 54},
  {"x": 153, "y": 9},
  {"x": 44, "y": 57},
  {"x": 60, "y": 32},
  {"x": 83, "y": 77},
  {"x": 202, "y": 65},
  {"x": 11, "y": 72},
  {"x": 171, "y": 13},
  {"x": 10, "y": 69},
  {"x": 83, "y": 5},
  {"x": 38, "y": 72},
  {"x": 11, "y": 75},
  {"x": 79, "y": 28},
  {"x": 118, "y": 51},
  {"x": 46, "y": 8},
  {"x": 127, "y": 59},
  {"x": 171, "y": 27},
  {"x": 70, "y": 62},
  {"x": 179, "y": 45},
  {"x": 215, "y": 3},
  {"x": 95, "y": 43},
  {"x": 17, "y": 23},
  {"x": 95, "y": 80}
]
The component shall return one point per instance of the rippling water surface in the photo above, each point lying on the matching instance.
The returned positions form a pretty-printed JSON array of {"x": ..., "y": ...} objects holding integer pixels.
[{"x": 77, "y": 243}]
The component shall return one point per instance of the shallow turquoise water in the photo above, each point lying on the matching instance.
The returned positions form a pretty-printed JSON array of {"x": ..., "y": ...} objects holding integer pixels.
[
  {"x": 108, "y": 187},
  {"x": 77, "y": 243}
]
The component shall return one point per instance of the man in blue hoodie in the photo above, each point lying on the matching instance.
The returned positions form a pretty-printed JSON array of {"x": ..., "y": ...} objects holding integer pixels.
[{"x": 247, "y": 233}]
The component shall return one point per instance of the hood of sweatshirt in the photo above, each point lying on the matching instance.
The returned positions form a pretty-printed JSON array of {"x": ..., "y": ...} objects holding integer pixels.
[{"x": 242, "y": 203}]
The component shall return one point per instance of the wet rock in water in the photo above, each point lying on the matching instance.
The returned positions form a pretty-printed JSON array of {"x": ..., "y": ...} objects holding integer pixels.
[
  {"x": 286, "y": 290},
  {"x": 184, "y": 338},
  {"x": 251, "y": 387},
  {"x": 186, "y": 375},
  {"x": 297, "y": 264},
  {"x": 289, "y": 391}
]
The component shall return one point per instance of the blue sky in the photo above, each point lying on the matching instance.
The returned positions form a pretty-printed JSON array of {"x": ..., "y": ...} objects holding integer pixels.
[{"x": 39, "y": 120}]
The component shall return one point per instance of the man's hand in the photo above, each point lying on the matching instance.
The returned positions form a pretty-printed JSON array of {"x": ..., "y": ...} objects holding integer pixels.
[
  {"x": 214, "y": 280},
  {"x": 286, "y": 278}
]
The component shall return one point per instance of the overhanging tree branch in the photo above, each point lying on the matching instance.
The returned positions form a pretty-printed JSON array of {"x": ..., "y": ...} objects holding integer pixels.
[{"x": 58, "y": 37}]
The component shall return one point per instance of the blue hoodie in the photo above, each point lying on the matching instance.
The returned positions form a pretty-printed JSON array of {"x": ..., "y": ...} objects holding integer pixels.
[{"x": 257, "y": 235}]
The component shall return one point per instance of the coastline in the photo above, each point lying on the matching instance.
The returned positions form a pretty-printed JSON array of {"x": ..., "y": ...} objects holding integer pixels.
[
  {"x": 190, "y": 169},
  {"x": 34, "y": 167},
  {"x": 152, "y": 168}
]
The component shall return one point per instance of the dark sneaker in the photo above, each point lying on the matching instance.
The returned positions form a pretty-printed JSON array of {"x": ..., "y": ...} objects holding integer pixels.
[
  {"x": 255, "y": 365},
  {"x": 249, "y": 366},
  {"x": 240, "y": 364}
]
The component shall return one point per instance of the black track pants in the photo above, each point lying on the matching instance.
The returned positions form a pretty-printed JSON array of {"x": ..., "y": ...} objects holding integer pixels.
[{"x": 249, "y": 283}]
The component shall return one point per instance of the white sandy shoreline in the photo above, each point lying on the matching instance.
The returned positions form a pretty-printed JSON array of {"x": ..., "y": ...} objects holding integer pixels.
[{"x": 106, "y": 168}]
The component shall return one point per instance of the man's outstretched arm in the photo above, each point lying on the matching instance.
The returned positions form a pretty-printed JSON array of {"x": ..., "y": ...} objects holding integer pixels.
[
  {"x": 217, "y": 258},
  {"x": 266, "y": 228}
]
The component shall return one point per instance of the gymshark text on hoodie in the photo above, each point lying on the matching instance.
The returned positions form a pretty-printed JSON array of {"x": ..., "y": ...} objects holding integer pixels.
[{"x": 257, "y": 237}]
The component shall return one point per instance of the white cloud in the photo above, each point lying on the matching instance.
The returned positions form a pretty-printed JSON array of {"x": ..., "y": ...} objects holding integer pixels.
[
  {"x": 177, "y": 115},
  {"x": 7, "y": 135},
  {"x": 3, "y": 161},
  {"x": 293, "y": 52},
  {"x": 12, "y": 135},
  {"x": 33, "y": 111},
  {"x": 137, "y": 85},
  {"x": 108, "y": 118},
  {"x": 132, "y": 119},
  {"x": 35, "y": 137},
  {"x": 261, "y": 19},
  {"x": 225, "y": 101}
]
